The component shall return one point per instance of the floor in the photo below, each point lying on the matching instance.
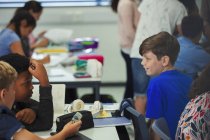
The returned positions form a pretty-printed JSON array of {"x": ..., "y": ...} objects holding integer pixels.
[{"x": 117, "y": 93}]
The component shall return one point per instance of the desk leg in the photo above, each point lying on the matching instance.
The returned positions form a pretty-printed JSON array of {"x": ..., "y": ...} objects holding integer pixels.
[
  {"x": 122, "y": 132},
  {"x": 96, "y": 92}
]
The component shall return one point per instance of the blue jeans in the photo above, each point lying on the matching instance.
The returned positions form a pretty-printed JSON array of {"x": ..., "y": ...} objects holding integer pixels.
[{"x": 140, "y": 78}]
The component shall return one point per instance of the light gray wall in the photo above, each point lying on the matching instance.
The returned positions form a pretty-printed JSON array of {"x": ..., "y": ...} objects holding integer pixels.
[{"x": 98, "y": 22}]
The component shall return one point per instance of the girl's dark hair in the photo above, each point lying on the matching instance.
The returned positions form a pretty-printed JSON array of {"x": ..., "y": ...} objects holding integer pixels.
[
  {"x": 114, "y": 4},
  {"x": 18, "y": 62},
  {"x": 33, "y": 5},
  {"x": 19, "y": 17},
  {"x": 201, "y": 84}
]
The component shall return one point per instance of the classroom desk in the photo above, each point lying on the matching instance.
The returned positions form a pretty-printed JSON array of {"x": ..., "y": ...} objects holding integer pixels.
[
  {"x": 105, "y": 133},
  {"x": 102, "y": 131},
  {"x": 58, "y": 74},
  {"x": 99, "y": 133},
  {"x": 64, "y": 75}
]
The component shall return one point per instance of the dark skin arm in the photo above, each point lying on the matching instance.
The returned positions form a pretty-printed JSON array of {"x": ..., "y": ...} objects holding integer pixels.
[{"x": 38, "y": 115}]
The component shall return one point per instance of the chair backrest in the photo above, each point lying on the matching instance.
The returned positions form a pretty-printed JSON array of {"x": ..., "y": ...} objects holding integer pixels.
[
  {"x": 139, "y": 123},
  {"x": 160, "y": 127},
  {"x": 58, "y": 93},
  {"x": 138, "y": 120}
]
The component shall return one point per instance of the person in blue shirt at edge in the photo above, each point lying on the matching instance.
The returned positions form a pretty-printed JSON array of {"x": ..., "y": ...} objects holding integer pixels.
[
  {"x": 167, "y": 93},
  {"x": 10, "y": 127},
  {"x": 192, "y": 57}
]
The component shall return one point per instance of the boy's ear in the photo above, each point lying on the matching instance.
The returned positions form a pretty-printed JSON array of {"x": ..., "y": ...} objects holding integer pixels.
[
  {"x": 165, "y": 60},
  {"x": 2, "y": 93}
]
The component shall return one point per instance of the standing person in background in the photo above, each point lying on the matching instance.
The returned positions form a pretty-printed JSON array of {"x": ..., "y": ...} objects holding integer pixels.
[
  {"x": 20, "y": 26},
  {"x": 30, "y": 42},
  {"x": 128, "y": 17},
  {"x": 155, "y": 16},
  {"x": 194, "y": 123},
  {"x": 205, "y": 14}
]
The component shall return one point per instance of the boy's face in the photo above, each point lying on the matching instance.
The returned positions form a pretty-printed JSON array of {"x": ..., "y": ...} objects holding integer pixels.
[
  {"x": 9, "y": 96},
  {"x": 26, "y": 30},
  {"x": 36, "y": 15},
  {"x": 151, "y": 64},
  {"x": 23, "y": 87}
]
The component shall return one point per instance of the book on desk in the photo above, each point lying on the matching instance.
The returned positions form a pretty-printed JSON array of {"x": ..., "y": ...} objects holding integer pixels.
[{"x": 111, "y": 121}]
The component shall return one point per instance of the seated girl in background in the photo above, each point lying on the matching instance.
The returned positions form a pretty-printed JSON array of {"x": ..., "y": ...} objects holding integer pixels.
[
  {"x": 194, "y": 123},
  {"x": 21, "y": 25},
  {"x": 31, "y": 42}
]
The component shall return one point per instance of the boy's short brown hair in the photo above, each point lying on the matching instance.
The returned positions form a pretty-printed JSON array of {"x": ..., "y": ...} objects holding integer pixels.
[
  {"x": 7, "y": 75},
  {"x": 161, "y": 44}
]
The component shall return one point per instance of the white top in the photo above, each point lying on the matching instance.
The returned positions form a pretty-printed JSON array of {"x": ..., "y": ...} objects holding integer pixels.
[
  {"x": 127, "y": 23},
  {"x": 157, "y": 16}
]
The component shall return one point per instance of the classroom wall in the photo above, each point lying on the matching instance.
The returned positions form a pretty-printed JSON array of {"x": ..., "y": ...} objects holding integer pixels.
[{"x": 98, "y": 22}]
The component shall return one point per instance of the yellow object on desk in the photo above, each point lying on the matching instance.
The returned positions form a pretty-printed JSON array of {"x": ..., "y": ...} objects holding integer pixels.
[
  {"x": 52, "y": 50},
  {"x": 102, "y": 114}
]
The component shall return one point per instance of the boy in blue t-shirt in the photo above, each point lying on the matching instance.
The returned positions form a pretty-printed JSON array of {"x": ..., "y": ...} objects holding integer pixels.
[
  {"x": 167, "y": 92},
  {"x": 10, "y": 127}
]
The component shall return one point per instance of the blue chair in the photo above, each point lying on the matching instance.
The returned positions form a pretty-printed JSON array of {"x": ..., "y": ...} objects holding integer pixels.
[
  {"x": 138, "y": 120},
  {"x": 139, "y": 123},
  {"x": 160, "y": 127}
]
